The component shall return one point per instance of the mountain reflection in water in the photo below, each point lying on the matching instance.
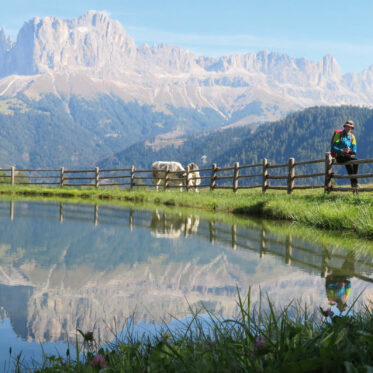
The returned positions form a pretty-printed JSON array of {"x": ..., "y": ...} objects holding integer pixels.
[{"x": 65, "y": 265}]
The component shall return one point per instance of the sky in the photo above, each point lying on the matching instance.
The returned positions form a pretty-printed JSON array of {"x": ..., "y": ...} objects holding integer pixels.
[{"x": 298, "y": 28}]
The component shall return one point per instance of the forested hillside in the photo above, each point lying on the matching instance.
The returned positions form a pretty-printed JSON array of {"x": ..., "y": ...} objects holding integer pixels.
[
  {"x": 304, "y": 135},
  {"x": 75, "y": 132}
]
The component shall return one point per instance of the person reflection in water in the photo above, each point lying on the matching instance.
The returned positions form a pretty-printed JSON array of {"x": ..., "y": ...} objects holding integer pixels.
[
  {"x": 338, "y": 290},
  {"x": 338, "y": 283}
]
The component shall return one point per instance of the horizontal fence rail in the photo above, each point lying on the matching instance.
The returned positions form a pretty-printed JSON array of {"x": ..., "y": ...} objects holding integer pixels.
[{"x": 285, "y": 176}]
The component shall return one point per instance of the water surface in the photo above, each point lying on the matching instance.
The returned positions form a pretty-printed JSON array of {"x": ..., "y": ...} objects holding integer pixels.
[{"x": 66, "y": 265}]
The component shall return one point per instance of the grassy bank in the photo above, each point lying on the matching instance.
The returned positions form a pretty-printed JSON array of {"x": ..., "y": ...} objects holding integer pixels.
[
  {"x": 339, "y": 212},
  {"x": 258, "y": 340}
]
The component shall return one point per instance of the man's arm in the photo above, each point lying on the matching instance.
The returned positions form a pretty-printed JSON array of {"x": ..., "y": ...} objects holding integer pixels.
[
  {"x": 337, "y": 144},
  {"x": 353, "y": 145}
]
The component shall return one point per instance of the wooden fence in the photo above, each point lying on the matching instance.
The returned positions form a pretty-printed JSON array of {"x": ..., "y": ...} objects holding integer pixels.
[{"x": 234, "y": 178}]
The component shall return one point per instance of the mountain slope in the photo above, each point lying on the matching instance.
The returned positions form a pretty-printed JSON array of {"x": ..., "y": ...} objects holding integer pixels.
[
  {"x": 304, "y": 135},
  {"x": 51, "y": 133}
]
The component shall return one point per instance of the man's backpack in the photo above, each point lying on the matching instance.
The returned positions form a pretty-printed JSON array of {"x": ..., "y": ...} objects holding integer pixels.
[{"x": 340, "y": 132}]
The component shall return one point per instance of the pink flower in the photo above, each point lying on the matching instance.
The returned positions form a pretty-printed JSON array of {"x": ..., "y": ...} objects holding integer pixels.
[
  {"x": 99, "y": 361},
  {"x": 260, "y": 344}
]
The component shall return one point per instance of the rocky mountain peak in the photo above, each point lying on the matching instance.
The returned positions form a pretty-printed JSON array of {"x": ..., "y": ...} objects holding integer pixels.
[
  {"x": 330, "y": 68},
  {"x": 5, "y": 42},
  {"x": 92, "y": 41},
  {"x": 94, "y": 17},
  {"x": 5, "y": 45},
  {"x": 166, "y": 58}
]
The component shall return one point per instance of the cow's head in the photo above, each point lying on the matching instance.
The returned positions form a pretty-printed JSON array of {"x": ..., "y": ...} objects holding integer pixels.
[{"x": 193, "y": 167}]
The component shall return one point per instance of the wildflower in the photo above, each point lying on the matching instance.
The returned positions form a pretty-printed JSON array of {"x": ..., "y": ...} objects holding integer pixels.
[
  {"x": 259, "y": 345},
  {"x": 327, "y": 312},
  {"x": 99, "y": 361}
]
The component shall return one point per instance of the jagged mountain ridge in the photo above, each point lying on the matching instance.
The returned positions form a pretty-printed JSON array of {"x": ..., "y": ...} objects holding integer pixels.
[{"x": 52, "y": 55}]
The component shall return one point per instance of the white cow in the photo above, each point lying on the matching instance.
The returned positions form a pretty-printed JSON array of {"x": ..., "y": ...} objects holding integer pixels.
[
  {"x": 177, "y": 173},
  {"x": 194, "y": 178}
]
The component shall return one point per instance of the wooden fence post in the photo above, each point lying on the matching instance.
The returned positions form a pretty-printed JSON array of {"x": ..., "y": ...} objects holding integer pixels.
[
  {"x": 167, "y": 179},
  {"x": 213, "y": 176},
  {"x": 132, "y": 177},
  {"x": 265, "y": 175},
  {"x": 187, "y": 178},
  {"x": 12, "y": 174},
  {"x": 291, "y": 175},
  {"x": 235, "y": 177},
  {"x": 328, "y": 173},
  {"x": 97, "y": 178},
  {"x": 62, "y": 176}
]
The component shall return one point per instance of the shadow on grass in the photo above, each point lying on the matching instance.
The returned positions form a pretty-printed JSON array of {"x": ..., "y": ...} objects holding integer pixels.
[{"x": 257, "y": 209}]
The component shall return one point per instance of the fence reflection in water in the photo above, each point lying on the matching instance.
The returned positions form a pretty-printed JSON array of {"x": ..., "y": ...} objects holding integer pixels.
[{"x": 172, "y": 226}]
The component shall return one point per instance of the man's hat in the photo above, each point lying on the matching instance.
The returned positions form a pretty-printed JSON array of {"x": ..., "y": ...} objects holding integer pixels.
[{"x": 350, "y": 124}]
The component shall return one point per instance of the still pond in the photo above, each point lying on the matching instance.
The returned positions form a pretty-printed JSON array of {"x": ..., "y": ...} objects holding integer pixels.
[{"x": 65, "y": 265}]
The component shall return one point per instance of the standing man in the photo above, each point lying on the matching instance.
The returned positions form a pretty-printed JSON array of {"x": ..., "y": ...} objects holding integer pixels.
[{"x": 344, "y": 149}]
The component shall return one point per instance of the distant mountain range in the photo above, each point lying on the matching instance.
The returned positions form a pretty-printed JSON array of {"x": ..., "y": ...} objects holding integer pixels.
[{"x": 111, "y": 93}]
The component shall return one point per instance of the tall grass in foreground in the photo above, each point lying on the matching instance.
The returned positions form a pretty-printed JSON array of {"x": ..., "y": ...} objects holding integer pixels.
[{"x": 260, "y": 339}]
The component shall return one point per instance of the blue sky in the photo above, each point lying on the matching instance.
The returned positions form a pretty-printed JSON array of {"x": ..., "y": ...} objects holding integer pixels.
[{"x": 299, "y": 28}]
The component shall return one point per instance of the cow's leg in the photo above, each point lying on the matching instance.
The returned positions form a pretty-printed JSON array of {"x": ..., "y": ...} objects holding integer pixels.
[
  {"x": 158, "y": 181},
  {"x": 190, "y": 182}
]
